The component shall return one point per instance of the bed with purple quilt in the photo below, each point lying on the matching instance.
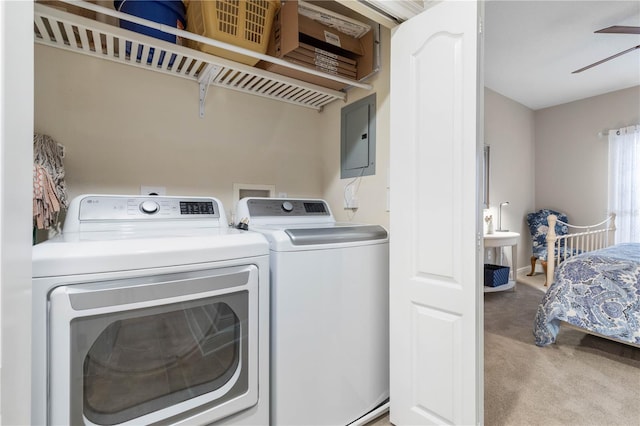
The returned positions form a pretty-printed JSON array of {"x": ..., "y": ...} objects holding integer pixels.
[{"x": 597, "y": 291}]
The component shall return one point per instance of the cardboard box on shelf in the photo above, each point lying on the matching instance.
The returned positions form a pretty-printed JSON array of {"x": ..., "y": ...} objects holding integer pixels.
[
  {"x": 324, "y": 59},
  {"x": 300, "y": 75},
  {"x": 328, "y": 36},
  {"x": 319, "y": 68},
  {"x": 320, "y": 64},
  {"x": 294, "y": 35},
  {"x": 316, "y": 50}
]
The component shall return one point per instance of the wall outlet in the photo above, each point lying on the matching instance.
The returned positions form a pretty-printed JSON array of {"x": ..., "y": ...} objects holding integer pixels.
[
  {"x": 153, "y": 190},
  {"x": 353, "y": 203},
  {"x": 350, "y": 198}
]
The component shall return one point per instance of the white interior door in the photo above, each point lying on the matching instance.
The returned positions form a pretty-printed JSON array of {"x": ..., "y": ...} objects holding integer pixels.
[{"x": 436, "y": 326}]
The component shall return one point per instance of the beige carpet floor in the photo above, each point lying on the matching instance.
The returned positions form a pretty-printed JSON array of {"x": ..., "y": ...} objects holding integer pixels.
[
  {"x": 579, "y": 380},
  {"x": 535, "y": 281}
]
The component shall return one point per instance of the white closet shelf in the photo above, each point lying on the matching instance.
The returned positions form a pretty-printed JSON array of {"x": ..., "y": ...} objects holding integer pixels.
[{"x": 60, "y": 29}]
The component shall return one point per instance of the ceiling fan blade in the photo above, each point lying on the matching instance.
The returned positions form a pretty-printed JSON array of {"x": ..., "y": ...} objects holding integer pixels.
[
  {"x": 620, "y": 29},
  {"x": 606, "y": 59}
]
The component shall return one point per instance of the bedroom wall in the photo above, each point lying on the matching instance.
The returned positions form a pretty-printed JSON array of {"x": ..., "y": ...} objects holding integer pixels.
[
  {"x": 571, "y": 160},
  {"x": 509, "y": 130}
]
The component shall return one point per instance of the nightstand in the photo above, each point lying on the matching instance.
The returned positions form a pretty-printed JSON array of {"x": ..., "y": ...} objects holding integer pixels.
[{"x": 501, "y": 239}]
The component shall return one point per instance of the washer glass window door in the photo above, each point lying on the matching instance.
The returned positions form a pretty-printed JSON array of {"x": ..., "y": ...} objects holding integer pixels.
[{"x": 152, "y": 349}]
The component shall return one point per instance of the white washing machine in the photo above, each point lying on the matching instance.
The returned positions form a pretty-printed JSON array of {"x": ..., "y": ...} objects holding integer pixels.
[
  {"x": 329, "y": 311},
  {"x": 150, "y": 310}
]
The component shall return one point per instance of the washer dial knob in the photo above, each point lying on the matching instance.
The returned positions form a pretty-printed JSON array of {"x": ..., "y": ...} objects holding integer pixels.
[
  {"x": 149, "y": 207},
  {"x": 287, "y": 206}
]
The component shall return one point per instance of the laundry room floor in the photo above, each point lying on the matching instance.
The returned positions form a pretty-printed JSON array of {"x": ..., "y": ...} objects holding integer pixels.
[{"x": 380, "y": 421}]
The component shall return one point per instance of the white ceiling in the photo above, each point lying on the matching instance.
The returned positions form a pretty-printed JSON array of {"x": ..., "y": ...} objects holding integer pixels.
[{"x": 531, "y": 48}]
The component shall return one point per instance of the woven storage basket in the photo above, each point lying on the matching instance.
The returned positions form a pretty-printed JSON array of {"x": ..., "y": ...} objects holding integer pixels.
[
  {"x": 244, "y": 23},
  {"x": 495, "y": 275}
]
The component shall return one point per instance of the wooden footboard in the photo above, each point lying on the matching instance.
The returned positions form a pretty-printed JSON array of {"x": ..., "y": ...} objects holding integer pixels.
[{"x": 580, "y": 239}]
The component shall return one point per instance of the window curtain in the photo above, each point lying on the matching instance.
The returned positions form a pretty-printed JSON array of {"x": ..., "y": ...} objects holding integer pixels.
[{"x": 624, "y": 182}]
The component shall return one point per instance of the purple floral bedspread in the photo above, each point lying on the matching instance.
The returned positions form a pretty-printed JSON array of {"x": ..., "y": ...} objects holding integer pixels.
[{"x": 598, "y": 291}]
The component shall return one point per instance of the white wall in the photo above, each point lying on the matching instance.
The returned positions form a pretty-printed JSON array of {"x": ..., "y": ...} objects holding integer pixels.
[
  {"x": 124, "y": 127},
  {"x": 571, "y": 160},
  {"x": 16, "y": 141},
  {"x": 509, "y": 131}
]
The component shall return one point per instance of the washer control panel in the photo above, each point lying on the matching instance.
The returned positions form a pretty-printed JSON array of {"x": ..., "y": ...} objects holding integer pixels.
[
  {"x": 260, "y": 207},
  {"x": 113, "y": 208}
]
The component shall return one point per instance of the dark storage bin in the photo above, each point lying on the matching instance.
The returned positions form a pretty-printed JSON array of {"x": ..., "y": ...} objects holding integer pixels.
[
  {"x": 171, "y": 13},
  {"x": 495, "y": 275},
  {"x": 167, "y": 12}
]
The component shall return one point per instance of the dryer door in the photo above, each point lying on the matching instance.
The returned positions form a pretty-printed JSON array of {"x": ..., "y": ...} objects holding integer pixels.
[{"x": 159, "y": 348}]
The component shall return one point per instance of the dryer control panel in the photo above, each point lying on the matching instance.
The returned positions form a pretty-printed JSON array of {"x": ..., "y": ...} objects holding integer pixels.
[
  {"x": 258, "y": 211},
  {"x": 283, "y": 207}
]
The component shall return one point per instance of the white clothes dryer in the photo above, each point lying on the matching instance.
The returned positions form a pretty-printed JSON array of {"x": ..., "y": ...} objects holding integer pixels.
[
  {"x": 150, "y": 310},
  {"x": 329, "y": 311}
]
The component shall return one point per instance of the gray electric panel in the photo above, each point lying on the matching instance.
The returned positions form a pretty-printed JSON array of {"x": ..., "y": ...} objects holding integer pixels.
[{"x": 358, "y": 138}]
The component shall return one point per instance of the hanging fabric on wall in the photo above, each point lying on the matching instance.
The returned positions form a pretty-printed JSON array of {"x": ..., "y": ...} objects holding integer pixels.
[{"x": 49, "y": 188}]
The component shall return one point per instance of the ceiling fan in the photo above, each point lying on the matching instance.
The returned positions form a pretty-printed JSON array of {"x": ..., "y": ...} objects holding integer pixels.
[{"x": 616, "y": 29}]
